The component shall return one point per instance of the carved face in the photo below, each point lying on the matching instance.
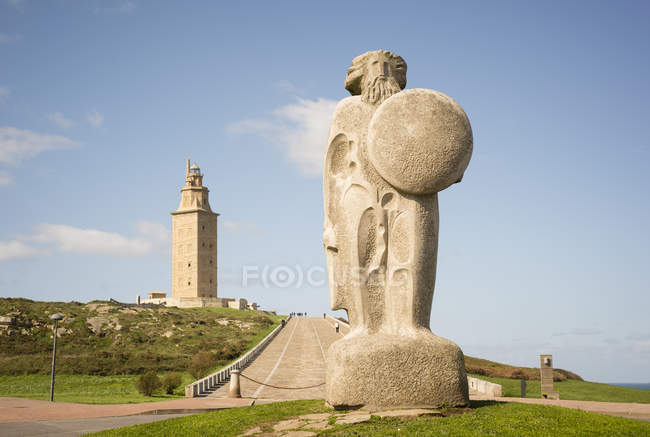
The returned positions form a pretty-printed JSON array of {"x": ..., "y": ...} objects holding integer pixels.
[{"x": 365, "y": 69}]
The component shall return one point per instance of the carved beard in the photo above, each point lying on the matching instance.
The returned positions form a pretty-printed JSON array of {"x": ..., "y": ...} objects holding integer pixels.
[{"x": 379, "y": 89}]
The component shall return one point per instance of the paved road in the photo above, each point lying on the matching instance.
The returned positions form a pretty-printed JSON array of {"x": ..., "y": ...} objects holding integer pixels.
[
  {"x": 27, "y": 410},
  {"x": 76, "y": 427},
  {"x": 29, "y": 417},
  {"x": 295, "y": 358}
]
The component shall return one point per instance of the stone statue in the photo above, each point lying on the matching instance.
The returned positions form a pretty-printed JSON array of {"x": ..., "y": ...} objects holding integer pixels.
[{"x": 389, "y": 153}]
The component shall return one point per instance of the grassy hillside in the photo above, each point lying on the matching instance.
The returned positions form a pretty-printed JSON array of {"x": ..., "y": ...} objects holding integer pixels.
[
  {"x": 479, "y": 366},
  {"x": 103, "y": 338},
  {"x": 104, "y": 346}
]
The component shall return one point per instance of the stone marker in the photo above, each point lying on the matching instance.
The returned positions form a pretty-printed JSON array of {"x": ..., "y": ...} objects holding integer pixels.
[
  {"x": 546, "y": 377},
  {"x": 389, "y": 153},
  {"x": 234, "y": 391}
]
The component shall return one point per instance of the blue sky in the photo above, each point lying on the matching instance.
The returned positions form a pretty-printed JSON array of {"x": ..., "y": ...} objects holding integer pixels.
[{"x": 544, "y": 246}]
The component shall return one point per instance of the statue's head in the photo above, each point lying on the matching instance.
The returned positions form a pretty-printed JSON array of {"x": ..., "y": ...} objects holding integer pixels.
[{"x": 376, "y": 75}]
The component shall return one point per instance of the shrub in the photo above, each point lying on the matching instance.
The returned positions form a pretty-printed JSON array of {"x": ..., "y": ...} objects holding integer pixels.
[
  {"x": 230, "y": 351},
  {"x": 170, "y": 381},
  {"x": 201, "y": 364},
  {"x": 569, "y": 375},
  {"x": 518, "y": 374},
  {"x": 148, "y": 383},
  {"x": 476, "y": 370}
]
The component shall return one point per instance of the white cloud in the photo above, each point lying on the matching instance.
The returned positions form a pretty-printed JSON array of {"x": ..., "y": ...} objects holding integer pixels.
[
  {"x": 17, "y": 145},
  {"x": 237, "y": 227},
  {"x": 48, "y": 238},
  {"x": 287, "y": 87},
  {"x": 578, "y": 331},
  {"x": 60, "y": 120},
  {"x": 586, "y": 331},
  {"x": 69, "y": 239},
  {"x": 5, "y": 178},
  {"x": 95, "y": 118},
  {"x": 300, "y": 129},
  {"x": 642, "y": 347},
  {"x": 639, "y": 336},
  {"x": 120, "y": 7},
  {"x": 4, "y": 91},
  {"x": 17, "y": 249},
  {"x": 6, "y": 38},
  {"x": 156, "y": 233}
]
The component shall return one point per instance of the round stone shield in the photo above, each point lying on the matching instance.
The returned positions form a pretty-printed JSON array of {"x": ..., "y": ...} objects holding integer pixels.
[{"x": 420, "y": 141}]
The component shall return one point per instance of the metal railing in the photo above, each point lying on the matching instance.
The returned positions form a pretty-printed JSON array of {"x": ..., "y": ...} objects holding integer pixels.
[{"x": 201, "y": 387}]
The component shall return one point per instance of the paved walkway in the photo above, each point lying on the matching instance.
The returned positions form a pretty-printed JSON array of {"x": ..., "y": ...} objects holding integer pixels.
[
  {"x": 295, "y": 358},
  {"x": 622, "y": 409},
  {"x": 29, "y": 410},
  {"x": 76, "y": 427}
]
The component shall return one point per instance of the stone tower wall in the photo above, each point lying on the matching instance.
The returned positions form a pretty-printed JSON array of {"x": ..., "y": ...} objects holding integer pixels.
[
  {"x": 194, "y": 242},
  {"x": 207, "y": 255}
]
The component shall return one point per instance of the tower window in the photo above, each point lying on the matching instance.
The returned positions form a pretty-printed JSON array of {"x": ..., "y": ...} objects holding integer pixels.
[
  {"x": 203, "y": 228},
  {"x": 189, "y": 264},
  {"x": 203, "y": 244},
  {"x": 210, "y": 245},
  {"x": 210, "y": 261}
]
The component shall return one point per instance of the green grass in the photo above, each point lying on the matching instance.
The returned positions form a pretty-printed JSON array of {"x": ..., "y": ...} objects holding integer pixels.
[
  {"x": 485, "y": 419},
  {"x": 574, "y": 390},
  {"x": 222, "y": 423},
  {"x": 87, "y": 389},
  {"x": 504, "y": 420}
]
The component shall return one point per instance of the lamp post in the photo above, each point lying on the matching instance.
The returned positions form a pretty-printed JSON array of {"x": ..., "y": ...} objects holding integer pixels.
[{"x": 56, "y": 318}]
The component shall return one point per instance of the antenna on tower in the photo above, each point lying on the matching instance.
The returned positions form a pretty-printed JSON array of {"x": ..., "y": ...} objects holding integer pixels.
[{"x": 187, "y": 170}]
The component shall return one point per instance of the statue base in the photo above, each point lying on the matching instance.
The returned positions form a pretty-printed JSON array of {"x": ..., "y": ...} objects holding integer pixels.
[{"x": 390, "y": 371}]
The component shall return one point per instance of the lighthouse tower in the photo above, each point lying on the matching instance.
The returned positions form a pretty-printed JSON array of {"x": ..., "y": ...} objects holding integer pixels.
[{"x": 194, "y": 241}]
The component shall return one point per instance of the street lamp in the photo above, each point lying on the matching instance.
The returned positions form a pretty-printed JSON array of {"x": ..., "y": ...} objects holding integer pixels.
[{"x": 56, "y": 318}]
